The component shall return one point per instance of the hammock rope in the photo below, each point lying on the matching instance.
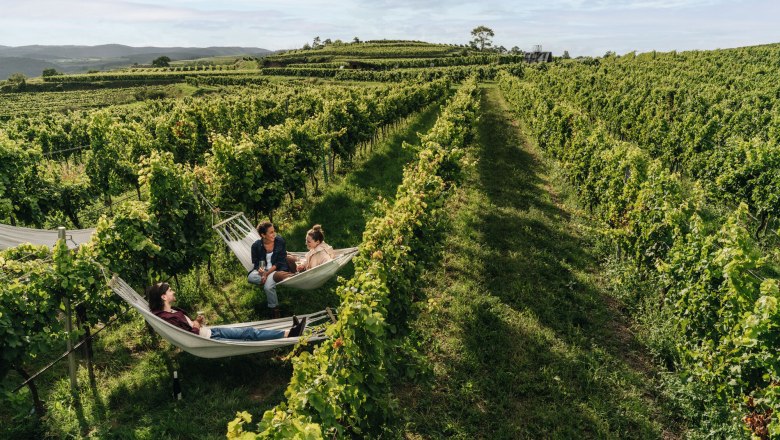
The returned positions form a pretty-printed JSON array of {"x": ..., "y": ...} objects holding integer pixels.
[
  {"x": 239, "y": 235},
  {"x": 213, "y": 348}
]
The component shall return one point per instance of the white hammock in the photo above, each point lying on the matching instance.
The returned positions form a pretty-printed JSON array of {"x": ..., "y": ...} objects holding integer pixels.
[
  {"x": 211, "y": 348},
  {"x": 12, "y": 236},
  {"x": 239, "y": 235}
]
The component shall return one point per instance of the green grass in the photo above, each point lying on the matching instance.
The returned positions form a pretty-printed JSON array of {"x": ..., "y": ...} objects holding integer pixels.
[
  {"x": 521, "y": 336},
  {"x": 132, "y": 394}
]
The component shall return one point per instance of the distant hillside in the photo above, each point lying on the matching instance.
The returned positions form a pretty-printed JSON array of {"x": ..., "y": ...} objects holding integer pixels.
[
  {"x": 31, "y": 60},
  {"x": 27, "y": 66}
]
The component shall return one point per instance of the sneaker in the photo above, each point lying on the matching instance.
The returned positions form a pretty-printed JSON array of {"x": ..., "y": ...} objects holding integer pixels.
[
  {"x": 298, "y": 329},
  {"x": 295, "y": 321}
]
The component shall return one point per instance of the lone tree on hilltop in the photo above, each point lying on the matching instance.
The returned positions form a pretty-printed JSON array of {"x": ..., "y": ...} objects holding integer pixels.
[
  {"x": 162, "y": 61},
  {"x": 482, "y": 37}
]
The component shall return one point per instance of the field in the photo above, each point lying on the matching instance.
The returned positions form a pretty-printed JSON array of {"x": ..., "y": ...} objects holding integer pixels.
[{"x": 580, "y": 249}]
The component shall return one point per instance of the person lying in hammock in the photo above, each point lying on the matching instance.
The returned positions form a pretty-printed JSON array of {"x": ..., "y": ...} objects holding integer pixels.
[
  {"x": 319, "y": 251},
  {"x": 270, "y": 264},
  {"x": 161, "y": 298}
]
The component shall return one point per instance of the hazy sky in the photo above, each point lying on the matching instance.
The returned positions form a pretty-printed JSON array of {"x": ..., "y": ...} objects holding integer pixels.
[{"x": 583, "y": 27}]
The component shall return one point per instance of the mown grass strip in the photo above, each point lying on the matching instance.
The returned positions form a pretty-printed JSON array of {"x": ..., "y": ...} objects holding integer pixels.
[{"x": 520, "y": 336}]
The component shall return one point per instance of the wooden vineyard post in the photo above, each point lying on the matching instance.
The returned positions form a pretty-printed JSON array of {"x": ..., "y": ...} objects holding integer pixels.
[{"x": 69, "y": 330}]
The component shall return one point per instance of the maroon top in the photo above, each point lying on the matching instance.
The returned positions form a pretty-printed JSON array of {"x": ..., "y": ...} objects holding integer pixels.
[{"x": 177, "y": 318}]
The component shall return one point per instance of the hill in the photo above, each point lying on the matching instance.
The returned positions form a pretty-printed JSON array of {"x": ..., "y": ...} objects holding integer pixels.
[
  {"x": 31, "y": 60},
  {"x": 27, "y": 66}
]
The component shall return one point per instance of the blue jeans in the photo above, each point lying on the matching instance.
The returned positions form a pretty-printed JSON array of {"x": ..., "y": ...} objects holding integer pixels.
[
  {"x": 245, "y": 333},
  {"x": 269, "y": 287}
]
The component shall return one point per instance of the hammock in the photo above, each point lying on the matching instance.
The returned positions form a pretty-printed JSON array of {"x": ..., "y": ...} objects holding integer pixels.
[
  {"x": 239, "y": 235},
  {"x": 212, "y": 348},
  {"x": 12, "y": 236}
]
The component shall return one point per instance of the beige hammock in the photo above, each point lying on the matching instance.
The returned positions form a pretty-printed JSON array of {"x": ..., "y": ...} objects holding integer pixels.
[
  {"x": 239, "y": 235},
  {"x": 12, "y": 236},
  {"x": 213, "y": 348}
]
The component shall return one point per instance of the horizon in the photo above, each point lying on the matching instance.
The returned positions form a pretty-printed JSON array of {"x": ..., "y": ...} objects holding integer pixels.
[
  {"x": 349, "y": 42},
  {"x": 581, "y": 27}
]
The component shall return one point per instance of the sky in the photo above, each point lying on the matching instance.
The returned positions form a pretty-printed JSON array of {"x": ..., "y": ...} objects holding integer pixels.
[{"x": 581, "y": 27}]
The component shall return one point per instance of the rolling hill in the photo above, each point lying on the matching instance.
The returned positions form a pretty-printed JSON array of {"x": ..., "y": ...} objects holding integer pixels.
[{"x": 31, "y": 60}]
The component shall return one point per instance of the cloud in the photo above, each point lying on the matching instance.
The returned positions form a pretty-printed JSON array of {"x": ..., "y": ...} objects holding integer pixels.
[{"x": 588, "y": 27}]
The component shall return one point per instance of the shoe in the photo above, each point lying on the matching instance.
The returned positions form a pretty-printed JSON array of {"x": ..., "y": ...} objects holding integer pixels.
[
  {"x": 297, "y": 330},
  {"x": 295, "y": 321}
]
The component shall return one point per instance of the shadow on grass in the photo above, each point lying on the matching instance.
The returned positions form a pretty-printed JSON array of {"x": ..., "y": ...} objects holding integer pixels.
[
  {"x": 539, "y": 386},
  {"x": 529, "y": 351},
  {"x": 526, "y": 231},
  {"x": 141, "y": 404}
]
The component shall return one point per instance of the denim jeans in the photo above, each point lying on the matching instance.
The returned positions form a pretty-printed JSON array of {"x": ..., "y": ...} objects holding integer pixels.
[
  {"x": 245, "y": 333},
  {"x": 269, "y": 287}
]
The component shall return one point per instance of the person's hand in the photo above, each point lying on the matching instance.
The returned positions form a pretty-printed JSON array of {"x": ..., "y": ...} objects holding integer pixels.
[
  {"x": 196, "y": 323},
  {"x": 200, "y": 319},
  {"x": 301, "y": 268},
  {"x": 263, "y": 278}
]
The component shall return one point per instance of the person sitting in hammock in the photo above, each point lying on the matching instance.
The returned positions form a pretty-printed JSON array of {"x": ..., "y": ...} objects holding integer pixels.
[
  {"x": 161, "y": 298},
  {"x": 319, "y": 251},
  {"x": 270, "y": 264}
]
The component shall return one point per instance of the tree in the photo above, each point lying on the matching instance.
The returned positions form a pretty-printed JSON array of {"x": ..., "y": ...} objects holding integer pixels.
[
  {"x": 482, "y": 37},
  {"x": 50, "y": 72},
  {"x": 515, "y": 50},
  {"x": 327, "y": 41},
  {"x": 566, "y": 55},
  {"x": 162, "y": 61},
  {"x": 306, "y": 46},
  {"x": 316, "y": 43},
  {"x": 356, "y": 40},
  {"x": 17, "y": 78}
]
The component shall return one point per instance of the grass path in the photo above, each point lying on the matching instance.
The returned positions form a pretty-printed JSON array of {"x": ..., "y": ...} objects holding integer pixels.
[
  {"x": 132, "y": 396},
  {"x": 521, "y": 336}
]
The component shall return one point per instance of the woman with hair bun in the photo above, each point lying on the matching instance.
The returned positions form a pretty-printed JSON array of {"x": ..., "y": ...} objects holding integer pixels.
[{"x": 319, "y": 251}]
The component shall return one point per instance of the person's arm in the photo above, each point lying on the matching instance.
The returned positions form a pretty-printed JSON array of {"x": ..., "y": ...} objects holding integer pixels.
[
  {"x": 280, "y": 255},
  {"x": 180, "y": 320},
  {"x": 319, "y": 257},
  {"x": 256, "y": 254},
  {"x": 305, "y": 265},
  {"x": 194, "y": 325}
]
